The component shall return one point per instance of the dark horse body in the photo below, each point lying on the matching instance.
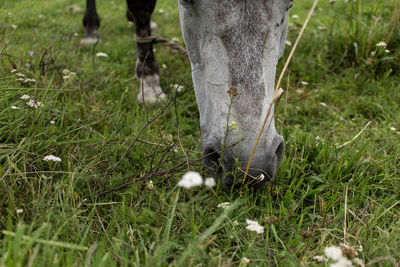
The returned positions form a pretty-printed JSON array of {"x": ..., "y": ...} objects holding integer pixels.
[{"x": 231, "y": 44}]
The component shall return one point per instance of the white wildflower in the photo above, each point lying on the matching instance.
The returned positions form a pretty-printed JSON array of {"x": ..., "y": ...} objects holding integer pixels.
[
  {"x": 233, "y": 125},
  {"x": 334, "y": 253},
  {"x": 14, "y": 26},
  {"x": 323, "y": 104},
  {"x": 101, "y": 54},
  {"x": 150, "y": 184},
  {"x": 342, "y": 262},
  {"x": 69, "y": 76},
  {"x": 295, "y": 16},
  {"x": 244, "y": 261},
  {"x": 14, "y": 70},
  {"x": 76, "y": 34},
  {"x": 304, "y": 83},
  {"x": 19, "y": 211},
  {"x": 223, "y": 205},
  {"x": 318, "y": 258},
  {"x": 29, "y": 80},
  {"x": 52, "y": 158},
  {"x": 288, "y": 43},
  {"x": 254, "y": 226},
  {"x": 153, "y": 25},
  {"x": 25, "y": 97},
  {"x": 14, "y": 107},
  {"x": 392, "y": 128},
  {"x": 164, "y": 66},
  {"x": 190, "y": 179},
  {"x": 18, "y": 74},
  {"x": 177, "y": 87},
  {"x": 161, "y": 10},
  {"x": 209, "y": 182},
  {"x": 387, "y": 51},
  {"x": 34, "y": 104},
  {"x": 65, "y": 72},
  {"x": 381, "y": 44},
  {"x": 52, "y": 122}
]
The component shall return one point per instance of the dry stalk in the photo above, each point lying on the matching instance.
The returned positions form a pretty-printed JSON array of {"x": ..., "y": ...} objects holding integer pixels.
[
  {"x": 356, "y": 136},
  {"x": 279, "y": 91}
]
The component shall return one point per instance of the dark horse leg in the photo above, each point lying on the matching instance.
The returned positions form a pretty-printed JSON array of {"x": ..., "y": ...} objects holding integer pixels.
[
  {"x": 91, "y": 22},
  {"x": 147, "y": 69}
]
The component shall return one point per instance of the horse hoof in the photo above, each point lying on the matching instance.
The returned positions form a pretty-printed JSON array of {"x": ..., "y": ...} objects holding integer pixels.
[
  {"x": 89, "y": 40},
  {"x": 150, "y": 90}
]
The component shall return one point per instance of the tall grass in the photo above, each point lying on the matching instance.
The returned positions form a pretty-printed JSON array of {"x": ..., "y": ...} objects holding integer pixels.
[{"x": 323, "y": 194}]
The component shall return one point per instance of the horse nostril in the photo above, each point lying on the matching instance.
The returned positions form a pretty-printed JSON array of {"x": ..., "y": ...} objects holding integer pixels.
[
  {"x": 212, "y": 161},
  {"x": 279, "y": 151}
]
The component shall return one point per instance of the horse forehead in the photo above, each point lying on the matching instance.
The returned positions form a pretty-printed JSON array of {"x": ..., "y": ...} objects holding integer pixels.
[{"x": 244, "y": 31}]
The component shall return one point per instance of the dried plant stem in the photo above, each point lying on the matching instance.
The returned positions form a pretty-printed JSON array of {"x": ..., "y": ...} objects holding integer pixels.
[
  {"x": 279, "y": 91},
  {"x": 356, "y": 136},
  {"x": 345, "y": 216}
]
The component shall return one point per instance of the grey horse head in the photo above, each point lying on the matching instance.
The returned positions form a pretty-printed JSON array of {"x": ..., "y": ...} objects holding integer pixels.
[{"x": 236, "y": 43}]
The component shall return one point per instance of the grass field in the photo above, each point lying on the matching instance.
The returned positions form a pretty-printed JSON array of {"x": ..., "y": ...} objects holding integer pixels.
[{"x": 324, "y": 193}]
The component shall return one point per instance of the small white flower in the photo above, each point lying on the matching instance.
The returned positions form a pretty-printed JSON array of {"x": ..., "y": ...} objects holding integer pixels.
[
  {"x": 101, "y": 54},
  {"x": 153, "y": 25},
  {"x": 295, "y": 16},
  {"x": 342, "y": 262},
  {"x": 244, "y": 260},
  {"x": 14, "y": 107},
  {"x": 323, "y": 104},
  {"x": 210, "y": 182},
  {"x": 318, "y": 258},
  {"x": 304, "y": 83},
  {"x": 40, "y": 16},
  {"x": 177, "y": 87},
  {"x": 25, "y": 97},
  {"x": 334, "y": 253},
  {"x": 175, "y": 39},
  {"x": 381, "y": 44},
  {"x": 190, "y": 179},
  {"x": 393, "y": 129},
  {"x": 20, "y": 75},
  {"x": 52, "y": 158},
  {"x": 223, "y": 205},
  {"x": 150, "y": 184},
  {"x": 14, "y": 26},
  {"x": 254, "y": 226},
  {"x": 65, "y": 72},
  {"x": 19, "y": 211},
  {"x": 31, "y": 53},
  {"x": 29, "y": 80},
  {"x": 233, "y": 125},
  {"x": 288, "y": 43},
  {"x": 387, "y": 51},
  {"x": 34, "y": 104},
  {"x": 161, "y": 10},
  {"x": 13, "y": 71},
  {"x": 164, "y": 66},
  {"x": 52, "y": 122}
]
